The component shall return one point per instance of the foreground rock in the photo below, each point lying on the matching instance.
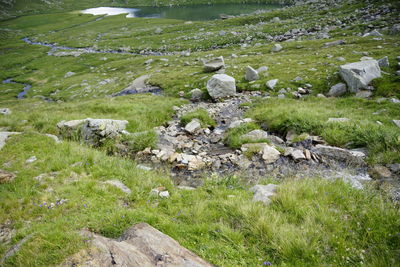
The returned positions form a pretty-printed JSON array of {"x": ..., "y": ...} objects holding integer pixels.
[
  {"x": 358, "y": 75},
  {"x": 221, "y": 85},
  {"x": 5, "y": 111},
  {"x": 338, "y": 90},
  {"x": 92, "y": 131},
  {"x": 141, "y": 245},
  {"x": 262, "y": 193},
  {"x": 214, "y": 64}
]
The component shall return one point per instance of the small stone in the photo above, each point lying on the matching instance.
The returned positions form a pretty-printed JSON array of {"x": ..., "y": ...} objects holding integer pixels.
[
  {"x": 364, "y": 94},
  {"x": 297, "y": 155},
  {"x": 384, "y": 62},
  {"x": 338, "y": 120},
  {"x": 196, "y": 94},
  {"x": 118, "y": 184},
  {"x": 193, "y": 126},
  {"x": 214, "y": 64},
  {"x": 262, "y": 193},
  {"x": 396, "y": 122},
  {"x": 255, "y": 135},
  {"x": 338, "y": 90},
  {"x": 321, "y": 96},
  {"x": 272, "y": 83},
  {"x": 5, "y": 111},
  {"x": 276, "y": 48},
  {"x": 31, "y": 159},
  {"x": 164, "y": 194},
  {"x": 251, "y": 74}
]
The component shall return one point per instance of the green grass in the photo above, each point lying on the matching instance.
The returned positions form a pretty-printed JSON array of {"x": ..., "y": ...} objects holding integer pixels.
[
  {"x": 202, "y": 115},
  {"x": 311, "y": 222},
  {"x": 234, "y": 137},
  {"x": 311, "y": 116}
]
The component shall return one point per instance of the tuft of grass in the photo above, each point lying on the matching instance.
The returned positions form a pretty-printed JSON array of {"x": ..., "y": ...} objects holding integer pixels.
[
  {"x": 234, "y": 137},
  {"x": 202, "y": 115}
]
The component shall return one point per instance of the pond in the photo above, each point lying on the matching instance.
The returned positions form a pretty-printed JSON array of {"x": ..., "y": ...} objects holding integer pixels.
[{"x": 190, "y": 12}]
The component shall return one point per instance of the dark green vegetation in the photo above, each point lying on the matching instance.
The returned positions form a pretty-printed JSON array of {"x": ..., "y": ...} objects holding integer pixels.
[{"x": 312, "y": 222}]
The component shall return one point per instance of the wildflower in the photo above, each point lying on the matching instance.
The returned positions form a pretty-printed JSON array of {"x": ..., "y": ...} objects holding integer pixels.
[{"x": 267, "y": 263}]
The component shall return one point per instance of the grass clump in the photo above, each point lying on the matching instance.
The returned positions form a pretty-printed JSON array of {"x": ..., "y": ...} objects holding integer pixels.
[
  {"x": 202, "y": 115},
  {"x": 311, "y": 116}
]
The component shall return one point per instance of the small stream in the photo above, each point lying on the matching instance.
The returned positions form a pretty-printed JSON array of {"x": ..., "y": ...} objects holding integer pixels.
[
  {"x": 26, "y": 88},
  {"x": 90, "y": 50}
]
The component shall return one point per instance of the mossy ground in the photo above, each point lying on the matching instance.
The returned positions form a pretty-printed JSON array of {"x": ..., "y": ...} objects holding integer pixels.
[{"x": 312, "y": 222}]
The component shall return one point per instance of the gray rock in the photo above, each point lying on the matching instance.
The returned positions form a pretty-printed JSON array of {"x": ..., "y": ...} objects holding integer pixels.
[
  {"x": 334, "y": 43},
  {"x": 256, "y": 135},
  {"x": 14, "y": 249},
  {"x": 118, "y": 184},
  {"x": 251, "y": 74},
  {"x": 95, "y": 131},
  {"x": 269, "y": 154},
  {"x": 4, "y": 136},
  {"x": 373, "y": 33},
  {"x": 262, "y": 193},
  {"x": 236, "y": 123},
  {"x": 196, "y": 94},
  {"x": 383, "y": 62},
  {"x": 276, "y": 19},
  {"x": 276, "y": 48},
  {"x": 69, "y": 74},
  {"x": 158, "y": 30},
  {"x": 221, "y": 85},
  {"x": 338, "y": 90},
  {"x": 338, "y": 120},
  {"x": 139, "y": 86},
  {"x": 262, "y": 69},
  {"x": 396, "y": 122},
  {"x": 5, "y": 111},
  {"x": 55, "y": 138},
  {"x": 214, "y": 64},
  {"x": 321, "y": 96},
  {"x": 69, "y": 129},
  {"x": 297, "y": 155},
  {"x": 140, "y": 245},
  {"x": 358, "y": 75},
  {"x": 379, "y": 172},
  {"x": 354, "y": 157},
  {"x": 395, "y": 29},
  {"x": 193, "y": 126},
  {"x": 31, "y": 159},
  {"x": 6, "y": 177},
  {"x": 272, "y": 83}
]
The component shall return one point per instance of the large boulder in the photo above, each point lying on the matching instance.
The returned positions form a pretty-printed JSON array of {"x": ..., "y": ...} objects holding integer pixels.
[
  {"x": 221, "y": 85},
  {"x": 141, "y": 245},
  {"x": 214, "y": 64},
  {"x": 358, "y": 75}
]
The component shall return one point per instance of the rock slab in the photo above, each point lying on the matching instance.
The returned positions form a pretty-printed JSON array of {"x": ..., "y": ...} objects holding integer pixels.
[
  {"x": 141, "y": 245},
  {"x": 358, "y": 75}
]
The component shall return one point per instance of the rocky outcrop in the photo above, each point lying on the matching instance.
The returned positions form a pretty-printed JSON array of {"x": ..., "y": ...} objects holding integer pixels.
[
  {"x": 221, "y": 85},
  {"x": 140, "y": 246},
  {"x": 92, "y": 131},
  {"x": 358, "y": 75}
]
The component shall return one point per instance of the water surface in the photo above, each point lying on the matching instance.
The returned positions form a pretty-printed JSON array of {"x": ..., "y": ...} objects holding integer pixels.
[{"x": 191, "y": 12}]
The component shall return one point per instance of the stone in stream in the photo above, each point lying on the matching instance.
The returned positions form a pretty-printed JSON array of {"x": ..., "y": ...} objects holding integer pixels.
[
  {"x": 251, "y": 74},
  {"x": 262, "y": 193},
  {"x": 221, "y": 85},
  {"x": 140, "y": 245},
  {"x": 5, "y": 111},
  {"x": 214, "y": 64},
  {"x": 338, "y": 90},
  {"x": 268, "y": 153},
  {"x": 193, "y": 126},
  {"x": 358, "y": 75},
  {"x": 255, "y": 135}
]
